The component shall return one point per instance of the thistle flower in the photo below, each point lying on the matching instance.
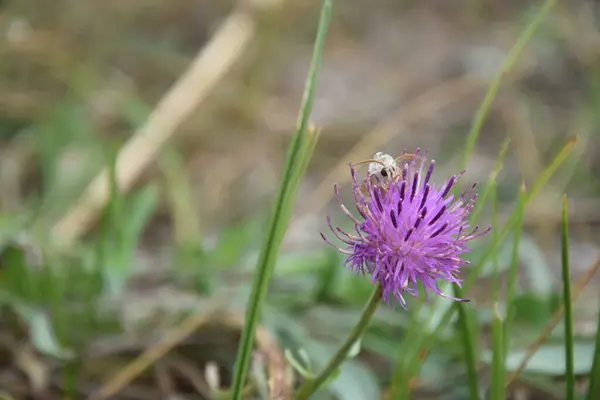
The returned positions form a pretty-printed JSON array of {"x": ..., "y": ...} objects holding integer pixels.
[{"x": 411, "y": 230}]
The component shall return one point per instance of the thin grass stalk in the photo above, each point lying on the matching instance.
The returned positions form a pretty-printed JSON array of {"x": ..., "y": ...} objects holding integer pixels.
[
  {"x": 514, "y": 268},
  {"x": 484, "y": 194},
  {"x": 507, "y": 65},
  {"x": 497, "y": 383},
  {"x": 497, "y": 390},
  {"x": 469, "y": 343},
  {"x": 566, "y": 277},
  {"x": 593, "y": 391},
  {"x": 543, "y": 178},
  {"x": 296, "y": 161},
  {"x": 556, "y": 317}
]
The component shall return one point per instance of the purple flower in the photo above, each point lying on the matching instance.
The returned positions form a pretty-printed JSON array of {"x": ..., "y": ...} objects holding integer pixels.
[{"x": 411, "y": 229}]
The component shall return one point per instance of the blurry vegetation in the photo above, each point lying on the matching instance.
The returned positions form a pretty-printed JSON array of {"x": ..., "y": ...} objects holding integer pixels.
[{"x": 79, "y": 77}]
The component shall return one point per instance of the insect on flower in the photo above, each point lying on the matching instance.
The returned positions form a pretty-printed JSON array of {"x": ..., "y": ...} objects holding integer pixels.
[
  {"x": 384, "y": 169},
  {"x": 410, "y": 229}
]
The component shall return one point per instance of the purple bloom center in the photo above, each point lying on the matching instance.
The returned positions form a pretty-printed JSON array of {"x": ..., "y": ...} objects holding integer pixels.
[{"x": 411, "y": 230}]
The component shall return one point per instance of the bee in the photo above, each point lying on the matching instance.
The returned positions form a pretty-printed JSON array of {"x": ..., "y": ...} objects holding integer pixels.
[{"x": 384, "y": 169}]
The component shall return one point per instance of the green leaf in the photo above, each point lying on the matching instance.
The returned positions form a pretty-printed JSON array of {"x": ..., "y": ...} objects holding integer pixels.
[
  {"x": 301, "y": 366},
  {"x": 122, "y": 225},
  {"x": 43, "y": 338},
  {"x": 137, "y": 212},
  {"x": 17, "y": 277},
  {"x": 549, "y": 359},
  {"x": 351, "y": 381},
  {"x": 41, "y": 331},
  {"x": 534, "y": 310},
  {"x": 329, "y": 276},
  {"x": 355, "y": 349},
  {"x": 232, "y": 243}
]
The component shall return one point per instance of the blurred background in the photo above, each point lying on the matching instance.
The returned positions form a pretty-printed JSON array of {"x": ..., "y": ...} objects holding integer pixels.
[{"x": 201, "y": 97}]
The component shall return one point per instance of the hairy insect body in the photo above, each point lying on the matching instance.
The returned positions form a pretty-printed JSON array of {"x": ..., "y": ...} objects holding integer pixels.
[{"x": 383, "y": 170}]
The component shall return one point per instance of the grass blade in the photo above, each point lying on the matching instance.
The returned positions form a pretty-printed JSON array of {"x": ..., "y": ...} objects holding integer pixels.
[
  {"x": 491, "y": 181},
  {"x": 497, "y": 386},
  {"x": 298, "y": 151},
  {"x": 469, "y": 343},
  {"x": 566, "y": 276},
  {"x": 514, "y": 267},
  {"x": 498, "y": 371},
  {"x": 512, "y": 220},
  {"x": 509, "y": 62},
  {"x": 594, "y": 385}
]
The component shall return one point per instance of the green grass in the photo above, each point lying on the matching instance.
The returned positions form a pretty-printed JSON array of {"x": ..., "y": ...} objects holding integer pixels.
[
  {"x": 314, "y": 303},
  {"x": 566, "y": 279},
  {"x": 498, "y": 342},
  {"x": 298, "y": 156},
  {"x": 593, "y": 391},
  {"x": 425, "y": 340},
  {"x": 467, "y": 331},
  {"x": 509, "y": 62}
]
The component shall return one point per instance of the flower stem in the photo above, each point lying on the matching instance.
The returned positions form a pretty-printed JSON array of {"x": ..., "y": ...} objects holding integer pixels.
[{"x": 312, "y": 385}]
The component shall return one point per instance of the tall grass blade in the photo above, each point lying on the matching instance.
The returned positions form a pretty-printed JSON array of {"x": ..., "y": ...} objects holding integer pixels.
[
  {"x": 497, "y": 384},
  {"x": 497, "y": 389},
  {"x": 509, "y": 62},
  {"x": 469, "y": 343},
  {"x": 514, "y": 266},
  {"x": 566, "y": 277},
  {"x": 512, "y": 220},
  {"x": 298, "y": 151},
  {"x": 594, "y": 385},
  {"x": 491, "y": 181}
]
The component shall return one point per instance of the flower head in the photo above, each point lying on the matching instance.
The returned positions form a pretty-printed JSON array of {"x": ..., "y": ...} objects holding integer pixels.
[{"x": 411, "y": 229}]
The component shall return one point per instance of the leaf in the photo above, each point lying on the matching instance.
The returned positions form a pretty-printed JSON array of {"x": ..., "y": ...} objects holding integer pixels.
[
  {"x": 329, "y": 275},
  {"x": 42, "y": 333},
  {"x": 533, "y": 309},
  {"x": 540, "y": 279},
  {"x": 232, "y": 243},
  {"x": 299, "y": 365},
  {"x": 355, "y": 349},
  {"x": 354, "y": 382},
  {"x": 138, "y": 211},
  {"x": 124, "y": 222},
  {"x": 550, "y": 359}
]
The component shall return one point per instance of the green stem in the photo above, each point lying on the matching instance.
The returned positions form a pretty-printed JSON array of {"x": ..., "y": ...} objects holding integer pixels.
[
  {"x": 312, "y": 385},
  {"x": 569, "y": 358},
  {"x": 469, "y": 343},
  {"x": 594, "y": 385}
]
